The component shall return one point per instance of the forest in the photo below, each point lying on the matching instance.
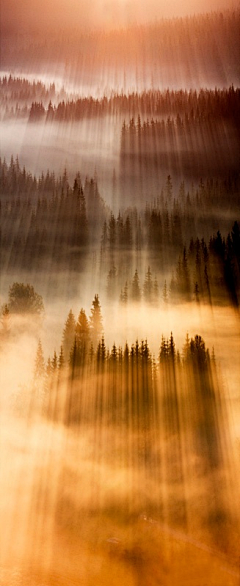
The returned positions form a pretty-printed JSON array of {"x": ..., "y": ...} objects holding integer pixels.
[{"x": 120, "y": 293}]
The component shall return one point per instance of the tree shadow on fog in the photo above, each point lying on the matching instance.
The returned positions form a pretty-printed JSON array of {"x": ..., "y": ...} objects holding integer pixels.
[{"x": 159, "y": 433}]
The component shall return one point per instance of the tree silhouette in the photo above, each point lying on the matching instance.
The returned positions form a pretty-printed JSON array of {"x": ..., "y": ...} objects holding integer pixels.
[
  {"x": 24, "y": 299},
  {"x": 39, "y": 369},
  {"x": 61, "y": 359},
  {"x": 124, "y": 294},
  {"x": 96, "y": 327},
  {"x": 82, "y": 328},
  {"x": 148, "y": 286},
  {"x": 68, "y": 335},
  {"x": 135, "y": 289},
  {"x": 165, "y": 293},
  {"x": 111, "y": 281}
]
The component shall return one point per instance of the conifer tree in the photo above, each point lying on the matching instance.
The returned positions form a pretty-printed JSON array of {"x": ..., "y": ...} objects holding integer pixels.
[
  {"x": 171, "y": 349},
  {"x": 164, "y": 295},
  {"x": 124, "y": 294},
  {"x": 54, "y": 362},
  {"x": 96, "y": 327},
  {"x": 135, "y": 290},
  {"x": 49, "y": 367},
  {"x": 68, "y": 335},
  {"x": 82, "y": 327},
  {"x": 155, "y": 291},
  {"x": 111, "y": 281},
  {"x": 148, "y": 286},
  {"x": 39, "y": 369}
]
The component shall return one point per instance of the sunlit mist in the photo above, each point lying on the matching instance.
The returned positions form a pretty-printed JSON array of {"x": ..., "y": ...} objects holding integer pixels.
[{"x": 120, "y": 292}]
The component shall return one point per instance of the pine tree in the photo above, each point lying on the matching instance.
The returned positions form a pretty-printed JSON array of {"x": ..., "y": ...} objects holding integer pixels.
[
  {"x": 112, "y": 231},
  {"x": 128, "y": 232},
  {"x": 39, "y": 369},
  {"x": 61, "y": 359},
  {"x": 50, "y": 112},
  {"x": 111, "y": 281},
  {"x": 148, "y": 286},
  {"x": 68, "y": 335},
  {"x": 82, "y": 337},
  {"x": 155, "y": 291},
  {"x": 165, "y": 295},
  {"x": 135, "y": 290},
  {"x": 186, "y": 348},
  {"x": 171, "y": 349},
  {"x": 96, "y": 327},
  {"x": 104, "y": 237},
  {"x": 54, "y": 362},
  {"x": 163, "y": 355},
  {"x": 124, "y": 294},
  {"x": 82, "y": 328},
  {"x": 49, "y": 367}
]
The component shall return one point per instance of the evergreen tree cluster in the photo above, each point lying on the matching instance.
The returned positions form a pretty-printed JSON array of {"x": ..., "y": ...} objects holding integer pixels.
[
  {"x": 126, "y": 385},
  {"x": 191, "y": 109},
  {"x": 174, "y": 109},
  {"x": 161, "y": 407},
  {"x": 55, "y": 228},
  {"x": 172, "y": 217},
  {"x": 190, "y": 147},
  {"x": 46, "y": 218},
  {"x": 20, "y": 89},
  {"x": 118, "y": 232},
  {"x": 209, "y": 272},
  {"x": 80, "y": 335},
  {"x": 148, "y": 292}
]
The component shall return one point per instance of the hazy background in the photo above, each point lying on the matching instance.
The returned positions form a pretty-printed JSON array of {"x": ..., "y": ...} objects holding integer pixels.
[{"x": 27, "y": 14}]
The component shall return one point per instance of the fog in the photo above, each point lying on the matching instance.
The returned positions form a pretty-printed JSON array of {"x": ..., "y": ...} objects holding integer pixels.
[
  {"x": 105, "y": 14},
  {"x": 88, "y": 147},
  {"x": 120, "y": 292},
  {"x": 86, "y": 495}
]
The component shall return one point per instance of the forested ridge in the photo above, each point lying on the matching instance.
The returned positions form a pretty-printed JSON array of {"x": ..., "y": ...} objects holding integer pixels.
[
  {"x": 191, "y": 105},
  {"x": 47, "y": 218}
]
